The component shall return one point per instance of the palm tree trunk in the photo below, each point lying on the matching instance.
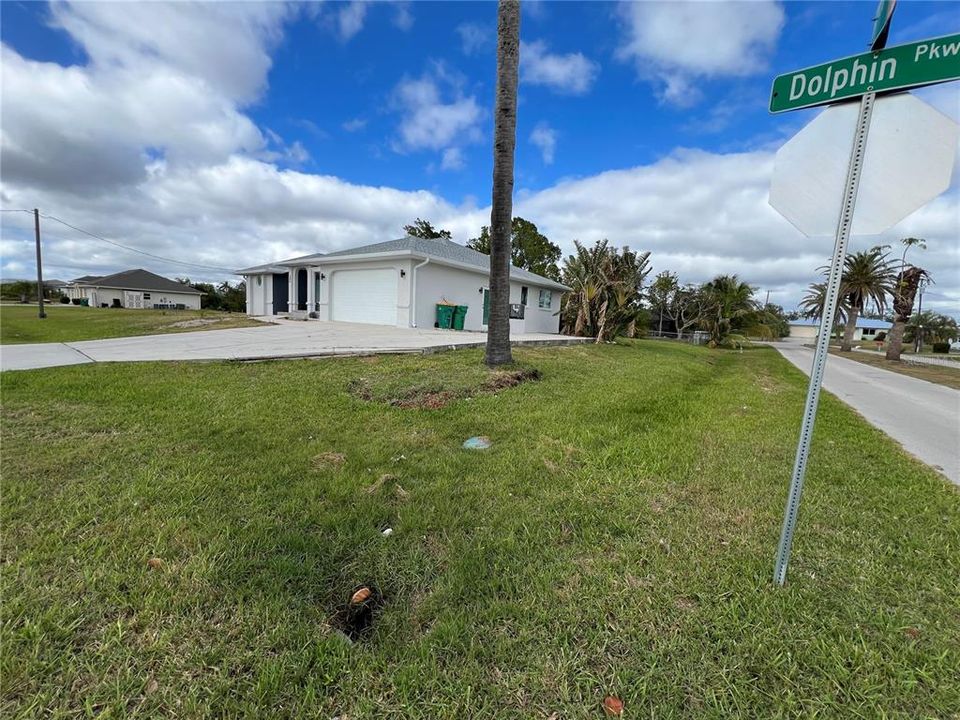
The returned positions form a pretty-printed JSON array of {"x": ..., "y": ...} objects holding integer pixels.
[
  {"x": 501, "y": 211},
  {"x": 846, "y": 345},
  {"x": 895, "y": 339}
]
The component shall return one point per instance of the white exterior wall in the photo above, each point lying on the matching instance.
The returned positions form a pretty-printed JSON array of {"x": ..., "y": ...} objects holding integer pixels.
[
  {"x": 461, "y": 287},
  {"x": 803, "y": 331},
  {"x": 537, "y": 319},
  {"x": 437, "y": 282},
  {"x": 259, "y": 294},
  {"x": 98, "y": 296}
]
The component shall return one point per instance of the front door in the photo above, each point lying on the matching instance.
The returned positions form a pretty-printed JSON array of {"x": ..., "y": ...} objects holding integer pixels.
[
  {"x": 302, "y": 289},
  {"x": 281, "y": 293},
  {"x": 486, "y": 306}
]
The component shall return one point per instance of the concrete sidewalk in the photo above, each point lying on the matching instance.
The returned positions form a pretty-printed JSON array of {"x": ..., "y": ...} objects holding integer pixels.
[
  {"x": 288, "y": 339},
  {"x": 922, "y": 416}
]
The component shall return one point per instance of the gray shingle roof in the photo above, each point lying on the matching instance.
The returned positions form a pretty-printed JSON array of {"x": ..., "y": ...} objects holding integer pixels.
[
  {"x": 139, "y": 279},
  {"x": 441, "y": 250}
]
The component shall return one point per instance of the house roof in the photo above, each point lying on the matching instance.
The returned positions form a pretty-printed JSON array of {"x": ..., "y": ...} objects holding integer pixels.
[
  {"x": 138, "y": 279},
  {"x": 445, "y": 251},
  {"x": 862, "y": 323},
  {"x": 268, "y": 269}
]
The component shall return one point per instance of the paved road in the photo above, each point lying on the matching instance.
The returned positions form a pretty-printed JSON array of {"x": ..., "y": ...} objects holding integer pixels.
[
  {"x": 923, "y": 417},
  {"x": 285, "y": 339}
]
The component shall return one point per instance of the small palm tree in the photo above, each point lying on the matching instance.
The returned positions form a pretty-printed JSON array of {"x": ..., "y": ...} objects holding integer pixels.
[
  {"x": 606, "y": 298},
  {"x": 815, "y": 300},
  {"x": 867, "y": 278},
  {"x": 729, "y": 302}
]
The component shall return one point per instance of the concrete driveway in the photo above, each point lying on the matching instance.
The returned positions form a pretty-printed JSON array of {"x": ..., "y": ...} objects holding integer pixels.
[
  {"x": 922, "y": 416},
  {"x": 285, "y": 339}
]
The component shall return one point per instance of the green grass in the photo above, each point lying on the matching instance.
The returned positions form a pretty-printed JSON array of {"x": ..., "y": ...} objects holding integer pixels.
[
  {"x": 20, "y": 324},
  {"x": 617, "y": 538}
]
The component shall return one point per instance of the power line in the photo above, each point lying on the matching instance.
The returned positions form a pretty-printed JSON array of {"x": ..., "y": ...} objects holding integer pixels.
[
  {"x": 121, "y": 245},
  {"x": 135, "y": 250}
]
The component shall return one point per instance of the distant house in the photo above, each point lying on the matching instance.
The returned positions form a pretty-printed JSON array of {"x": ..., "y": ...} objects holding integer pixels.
[
  {"x": 867, "y": 328},
  {"x": 134, "y": 289},
  {"x": 399, "y": 283}
]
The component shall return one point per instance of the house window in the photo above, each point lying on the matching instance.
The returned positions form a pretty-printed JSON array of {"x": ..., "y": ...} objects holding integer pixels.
[
  {"x": 146, "y": 296},
  {"x": 523, "y": 296},
  {"x": 259, "y": 280},
  {"x": 546, "y": 299}
]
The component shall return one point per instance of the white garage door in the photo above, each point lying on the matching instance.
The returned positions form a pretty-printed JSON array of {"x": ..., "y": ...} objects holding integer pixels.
[{"x": 365, "y": 296}]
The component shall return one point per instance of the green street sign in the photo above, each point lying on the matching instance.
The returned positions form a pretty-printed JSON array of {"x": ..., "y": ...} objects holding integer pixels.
[{"x": 896, "y": 68}]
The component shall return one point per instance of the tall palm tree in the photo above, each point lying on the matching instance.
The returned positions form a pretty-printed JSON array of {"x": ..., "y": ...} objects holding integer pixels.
[
  {"x": 867, "y": 278},
  {"x": 904, "y": 292},
  {"x": 501, "y": 210}
]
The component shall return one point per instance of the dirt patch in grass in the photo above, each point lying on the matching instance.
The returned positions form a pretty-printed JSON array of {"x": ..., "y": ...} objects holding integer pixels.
[
  {"x": 434, "y": 397},
  {"x": 328, "y": 460}
]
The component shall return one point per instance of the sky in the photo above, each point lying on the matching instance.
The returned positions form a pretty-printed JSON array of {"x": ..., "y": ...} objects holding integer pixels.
[{"x": 225, "y": 135}]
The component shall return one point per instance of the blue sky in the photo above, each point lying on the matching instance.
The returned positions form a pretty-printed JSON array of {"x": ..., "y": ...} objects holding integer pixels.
[{"x": 235, "y": 137}]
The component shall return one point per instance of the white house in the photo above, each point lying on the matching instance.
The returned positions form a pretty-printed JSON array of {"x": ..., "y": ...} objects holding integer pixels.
[
  {"x": 134, "y": 289},
  {"x": 399, "y": 283},
  {"x": 866, "y": 329}
]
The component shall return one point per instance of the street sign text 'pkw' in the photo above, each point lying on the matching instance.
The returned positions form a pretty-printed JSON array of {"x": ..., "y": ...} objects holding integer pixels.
[{"x": 896, "y": 68}]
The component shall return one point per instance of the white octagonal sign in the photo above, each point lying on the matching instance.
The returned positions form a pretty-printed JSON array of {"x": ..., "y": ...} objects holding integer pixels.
[{"x": 911, "y": 149}]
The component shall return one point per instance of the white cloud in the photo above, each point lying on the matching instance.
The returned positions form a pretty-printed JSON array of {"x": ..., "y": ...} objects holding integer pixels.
[
  {"x": 675, "y": 43},
  {"x": 157, "y": 154},
  {"x": 402, "y": 17},
  {"x": 350, "y": 19},
  {"x": 355, "y": 124},
  {"x": 474, "y": 37},
  {"x": 225, "y": 44},
  {"x": 570, "y": 74},
  {"x": 452, "y": 159},
  {"x": 434, "y": 112},
  {"x": 545, "y": 138}
]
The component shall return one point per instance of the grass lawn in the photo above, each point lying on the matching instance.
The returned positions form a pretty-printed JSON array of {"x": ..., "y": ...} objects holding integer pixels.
[
  {"x": 939, "y": 374},
  {"x": 617, "y": 538},
  {"x": 20, "y": 324}
]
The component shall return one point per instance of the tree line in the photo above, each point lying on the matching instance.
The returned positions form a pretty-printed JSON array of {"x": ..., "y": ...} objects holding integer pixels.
[
  {"x": 610, "y": 297},
  {"x": 873, "y": 282}
]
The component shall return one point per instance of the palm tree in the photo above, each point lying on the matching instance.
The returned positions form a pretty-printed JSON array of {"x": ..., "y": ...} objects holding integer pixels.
[
  {"x": 904, "y": 291},
  {"x": 729, "y": 301},
  {"x": 812, "y": 304},
  {"x": 501, "y": 210},
  {"x": 867, "y": 278},
  {"x": 606, "y": 298}
]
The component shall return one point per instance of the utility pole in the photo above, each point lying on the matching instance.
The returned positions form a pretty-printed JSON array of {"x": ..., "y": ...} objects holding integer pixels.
[
  {"x": 36, "y": 228},
  {"x": 918, "y": 344}
]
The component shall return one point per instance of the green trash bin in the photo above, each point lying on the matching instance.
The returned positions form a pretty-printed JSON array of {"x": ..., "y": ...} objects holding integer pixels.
[
  {"x": 84, "y": 302},
  {"x": 445, "y": 316},
  {"x": 459, "y": 316}
]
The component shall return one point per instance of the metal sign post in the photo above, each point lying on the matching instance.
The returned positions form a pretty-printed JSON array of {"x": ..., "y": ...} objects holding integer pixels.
[
  {"x": 910, "y": 162},
  {"x": 823, "y": 340}
]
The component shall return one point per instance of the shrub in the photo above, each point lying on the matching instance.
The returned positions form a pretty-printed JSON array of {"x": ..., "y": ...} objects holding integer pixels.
[
  {"x": 941, "y": 347},
  {"x": 75, "y": 301},
  {"x": 881, "y": 336},
  {"x": 64, "y": 300}
]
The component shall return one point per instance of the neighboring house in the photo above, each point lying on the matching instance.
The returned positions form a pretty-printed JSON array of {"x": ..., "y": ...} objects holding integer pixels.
[
  {"x": 135, "y": 289},
  {"x": 399, "y": 283},
  {"x": 866, "y": 329}
]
